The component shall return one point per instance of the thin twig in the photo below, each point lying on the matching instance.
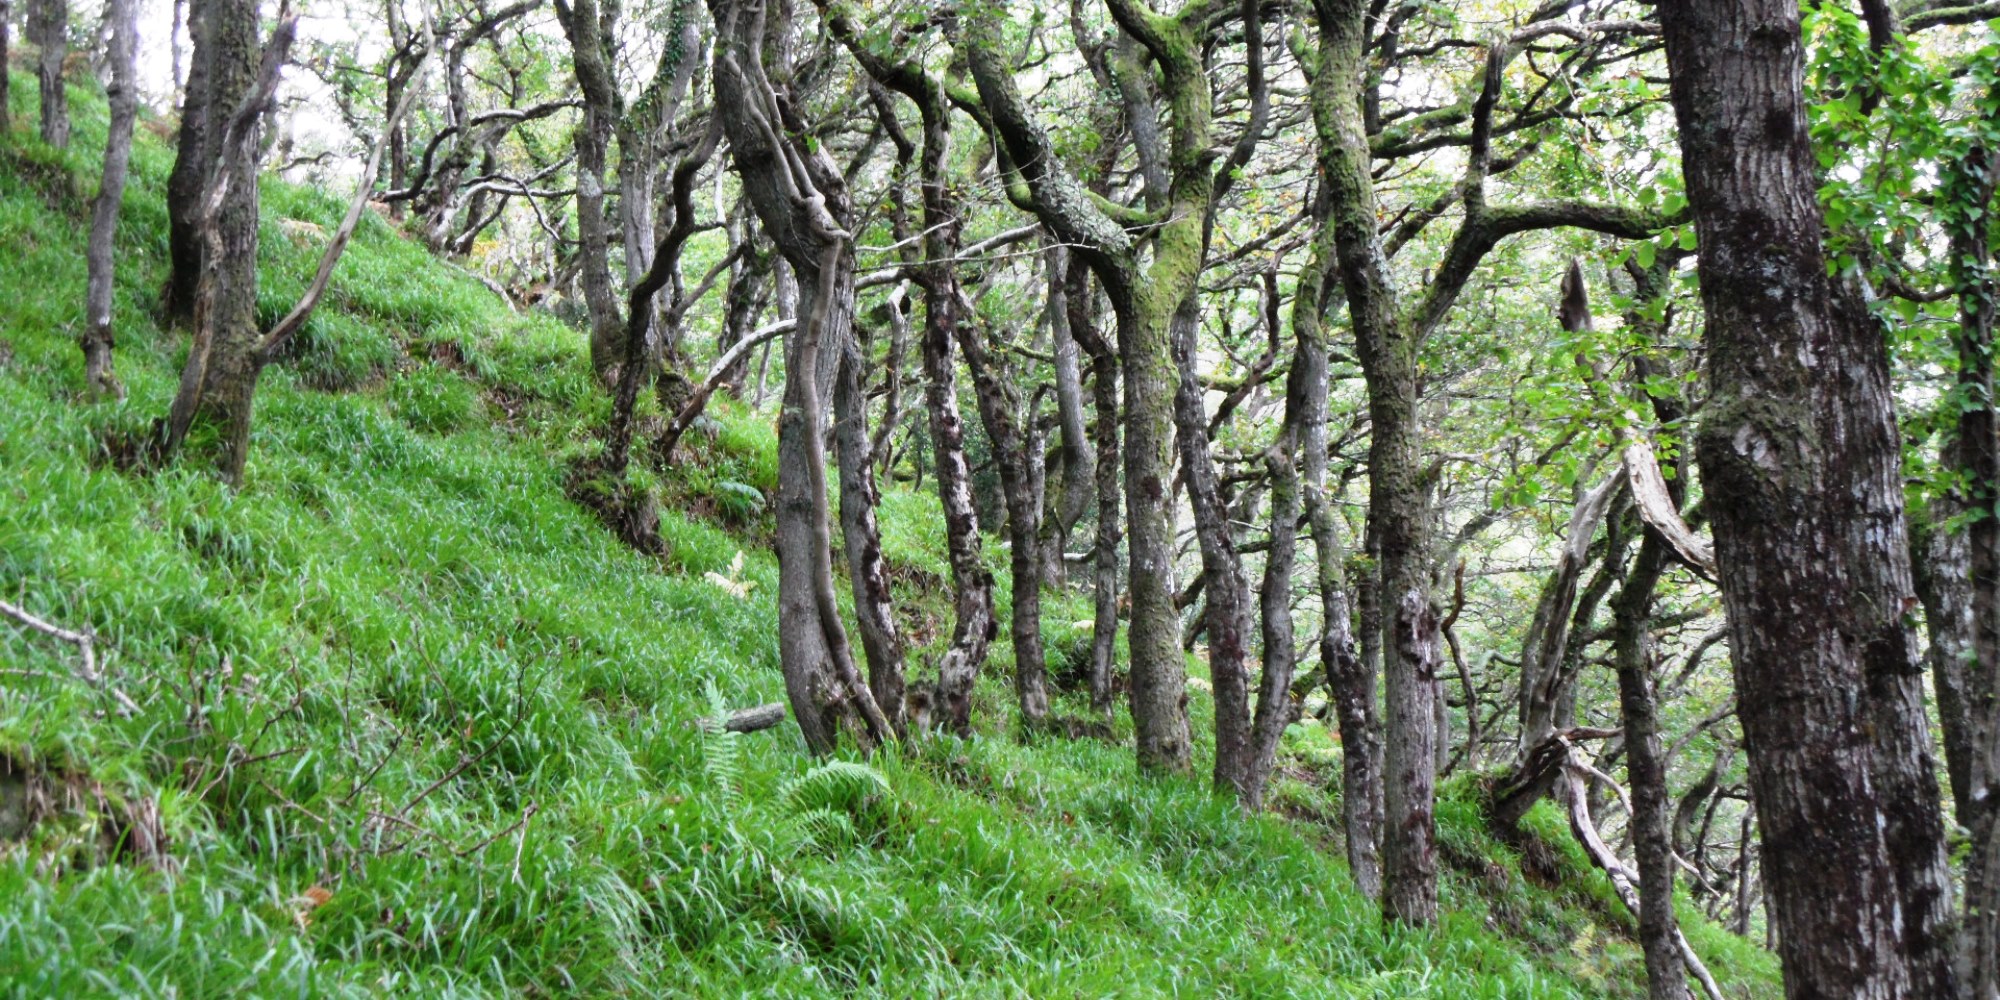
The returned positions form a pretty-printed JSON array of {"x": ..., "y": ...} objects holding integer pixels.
[
  {"x": 526, "y": 815},
  {"x": 85, "y": 645}
]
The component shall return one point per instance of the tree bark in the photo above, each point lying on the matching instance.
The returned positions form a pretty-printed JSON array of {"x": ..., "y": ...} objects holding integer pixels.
[
  {"x": 1104, "y": 543},
  {"x": 1226, "y": 617},
  {"x": 48, "y": 28},
  {"x": 998, "y": 406},
  {"x": 1646, "y": 769},
  {"x": 1079, "y": 458},
  {"x": 1801, "y": 463},
  {"x": 121, "y": 92},
  {"x": 1305, "y": 395},
  {"x": 946, "y": 320},
  {"x": 861, "y": 537},
  {"x": 6, "y": 86},
  {"x": 1143, "y": 301}
]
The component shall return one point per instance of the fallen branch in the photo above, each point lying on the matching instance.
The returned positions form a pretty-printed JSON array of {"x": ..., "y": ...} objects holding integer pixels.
[
  {"x": 526, "y": 815},
  {"x": 1586, "y": 833},
  {"x": 698, "y": 400},
  {"x": 86, "y": 647},
  {"x": 748, "y": 720}
]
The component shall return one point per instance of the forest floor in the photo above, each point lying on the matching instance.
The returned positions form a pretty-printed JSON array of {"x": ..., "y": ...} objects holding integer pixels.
[{"x": 407, "y": 720}]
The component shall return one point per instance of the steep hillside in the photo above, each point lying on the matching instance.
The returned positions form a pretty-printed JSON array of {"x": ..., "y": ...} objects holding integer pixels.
[{"x": 410, "y": 721}]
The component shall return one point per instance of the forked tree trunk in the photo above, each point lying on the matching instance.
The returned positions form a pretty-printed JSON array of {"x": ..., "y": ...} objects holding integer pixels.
[
  {"x": 121, "y": 91},
  {"x": 799, "y": 197},
  {"x": 1801, "y": 463},
  {"x": 219, "y": 381}
]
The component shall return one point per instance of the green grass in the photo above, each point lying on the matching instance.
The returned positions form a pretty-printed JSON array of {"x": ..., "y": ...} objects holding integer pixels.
[{"x": 415, "y": 724}]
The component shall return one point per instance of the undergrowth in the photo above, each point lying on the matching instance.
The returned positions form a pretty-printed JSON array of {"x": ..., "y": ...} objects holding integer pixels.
[{"x": 415, "y": 723}]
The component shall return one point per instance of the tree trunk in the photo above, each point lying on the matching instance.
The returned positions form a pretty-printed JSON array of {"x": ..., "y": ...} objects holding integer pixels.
[
  {"x": 225, "y": 53},
  {"x": 121, "y": 92},
  {"x": 1967, "y": 197},
  {"x": 1079, "y": 459},
  {"x": 586, "y": 27},
  {"x": 973, "y": 624},
  {"x": 1227, "y": 614},
  {"x": 799, "y": 197},
  {"x": 1646, "y": 768},
  {"x": 1398, "y": 506},
  {"x": 220, "y": 378},
  {"x": 998, "y": 407},
  {"x": 1350, "y": 677},
  {"x": 861, "y": 537},
  {"x": 1305, "y": 402},
  {"x": 48, "y": 29},
  {"x": 1801, "y": 463},
  {"x": 6, "y": 86},
  {"x": 1082, "y": 325}
]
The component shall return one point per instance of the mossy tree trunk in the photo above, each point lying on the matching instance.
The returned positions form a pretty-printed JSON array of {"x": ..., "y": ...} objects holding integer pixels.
[{"x": 1398, "y": 507}]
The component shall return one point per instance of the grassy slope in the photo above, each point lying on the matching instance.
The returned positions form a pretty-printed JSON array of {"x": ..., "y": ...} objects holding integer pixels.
[{"x": 402, "y": 594}]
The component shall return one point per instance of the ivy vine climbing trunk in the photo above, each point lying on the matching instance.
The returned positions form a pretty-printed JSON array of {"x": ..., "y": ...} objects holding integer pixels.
[{"x": 1801, "y": 464}]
